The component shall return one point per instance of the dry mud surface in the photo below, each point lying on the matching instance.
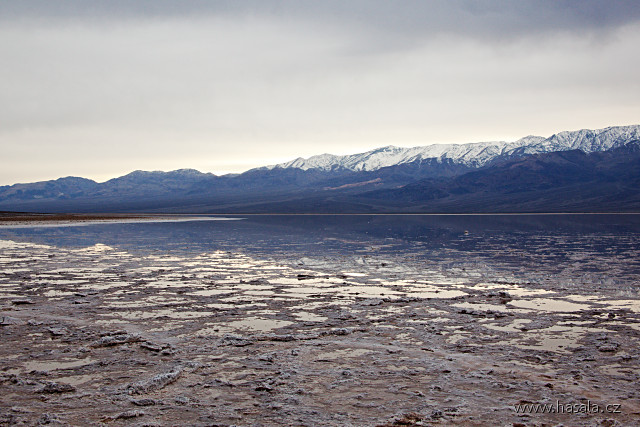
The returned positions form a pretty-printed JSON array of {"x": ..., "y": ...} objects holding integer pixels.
[{"x": 103, "y": 336}]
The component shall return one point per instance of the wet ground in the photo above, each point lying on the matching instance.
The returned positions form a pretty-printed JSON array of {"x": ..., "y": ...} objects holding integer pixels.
[{"x": 102, "y": 335}]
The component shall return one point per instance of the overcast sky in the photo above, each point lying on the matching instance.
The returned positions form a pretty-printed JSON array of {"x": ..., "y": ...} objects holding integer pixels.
[{"x": 101, "y": 88}]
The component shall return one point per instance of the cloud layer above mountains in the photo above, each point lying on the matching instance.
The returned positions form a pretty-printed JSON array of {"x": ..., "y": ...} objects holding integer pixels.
[{"x": 104, "y": 87}]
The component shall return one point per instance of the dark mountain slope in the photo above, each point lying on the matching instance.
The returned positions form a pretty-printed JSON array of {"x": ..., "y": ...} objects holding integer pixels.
[
  {"x": 565, "y": 180},
  {"x": 189, "y": 190},
  {"x": 62, "y": 188},
  {"x": 570, "y": 180}
]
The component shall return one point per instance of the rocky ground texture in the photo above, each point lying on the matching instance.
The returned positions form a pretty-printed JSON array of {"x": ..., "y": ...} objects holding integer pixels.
[{"x": 103, "y": 336}]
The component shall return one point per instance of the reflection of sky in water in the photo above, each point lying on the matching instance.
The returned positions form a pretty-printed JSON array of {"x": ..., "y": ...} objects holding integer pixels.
[
  {"x": 169, "y": 274},
  {"x": 580, "y": 247}
]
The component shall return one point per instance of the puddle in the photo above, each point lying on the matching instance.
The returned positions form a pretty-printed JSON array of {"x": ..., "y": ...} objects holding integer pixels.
[
  {"x": 127, "y": 304},
  {"x": 210, "y": 292},
  {"x": 547, "y": 343},
  {"x": 242, "y": 300},
  {"x": 310, "y": 317},
  {"x": 173, "y": 314},
  {"x": 253, "y": 287},
  {"x": 633, "y": 305},
  {"x": 512, "y": 289},
  {"x": 455, "y": 337},
  {"x": 547, "y": 304},
  {"x": 489, "y": 307},
  {"x": 583, "y": 298},
  {"x": 10, "y": 295},
  {"x": 557, "y": 338},
  {"x": 54, "y": 293},
  {"x": 306, "y": 290},
  {"x": 311, "y": 305},
  {"x": 444, "y": 294},
  {"x": 57, "y": 281},
  {"x": 259, "y": 324},
  {"x": 316, "y": 281},
  {"x": 259, "y": 293},
  {"x": 514, "y": 326},
  {"x": 104, "y": 286},
  {"x": 37, "y": 365},
  {"x": 220, "y": 306},
  {"x": 368, "y": 291}
]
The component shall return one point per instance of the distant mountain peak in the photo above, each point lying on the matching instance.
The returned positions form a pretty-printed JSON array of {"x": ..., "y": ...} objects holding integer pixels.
[
  {"x": 475, "y": 154},
  {"x": 187, "y": 172},
  {"x": 575, "y": 170}
]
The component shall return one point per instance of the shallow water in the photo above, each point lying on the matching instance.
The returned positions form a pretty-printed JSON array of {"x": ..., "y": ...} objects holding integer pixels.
[
  {"x": 401, "y": 300},
  {"x": 576, "y": 247}
]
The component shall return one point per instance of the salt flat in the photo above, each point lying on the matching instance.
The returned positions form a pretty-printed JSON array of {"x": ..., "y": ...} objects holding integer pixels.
[{"x": 100, "y": 334}]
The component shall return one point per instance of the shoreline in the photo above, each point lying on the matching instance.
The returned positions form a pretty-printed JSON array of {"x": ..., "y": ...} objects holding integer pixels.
[
  {"x": 28, "y": 216},
  {"x": 75, "y": 220}
]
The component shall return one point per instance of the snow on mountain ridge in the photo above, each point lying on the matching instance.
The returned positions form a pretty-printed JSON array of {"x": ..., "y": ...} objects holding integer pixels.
[{"x": 473, "y": 154}]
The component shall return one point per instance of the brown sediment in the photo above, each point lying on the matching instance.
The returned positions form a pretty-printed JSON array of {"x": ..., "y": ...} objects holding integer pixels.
[
  {"x": 221, "y": 338},
  {"x": 52, "y": 217},
  {"x": 20, "y": 220}
]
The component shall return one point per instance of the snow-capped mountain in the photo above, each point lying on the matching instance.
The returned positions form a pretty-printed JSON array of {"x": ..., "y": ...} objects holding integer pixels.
[
  {"x": 580, "y": 171},
  {"x": 474, "y": 154}
]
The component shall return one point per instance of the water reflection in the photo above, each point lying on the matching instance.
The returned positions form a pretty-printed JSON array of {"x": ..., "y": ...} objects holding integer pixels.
[
  {"x": 408, "y": 272},
  {"x": 571, "y": 244}
]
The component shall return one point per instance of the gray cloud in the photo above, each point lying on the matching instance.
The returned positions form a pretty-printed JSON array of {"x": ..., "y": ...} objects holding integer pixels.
[
  {"x": 500, "y": 18},
  {"x": 100, "y": 88}
]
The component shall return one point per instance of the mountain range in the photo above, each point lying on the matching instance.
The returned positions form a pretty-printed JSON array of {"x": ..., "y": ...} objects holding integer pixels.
[{"x": 573, "y": 171}]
